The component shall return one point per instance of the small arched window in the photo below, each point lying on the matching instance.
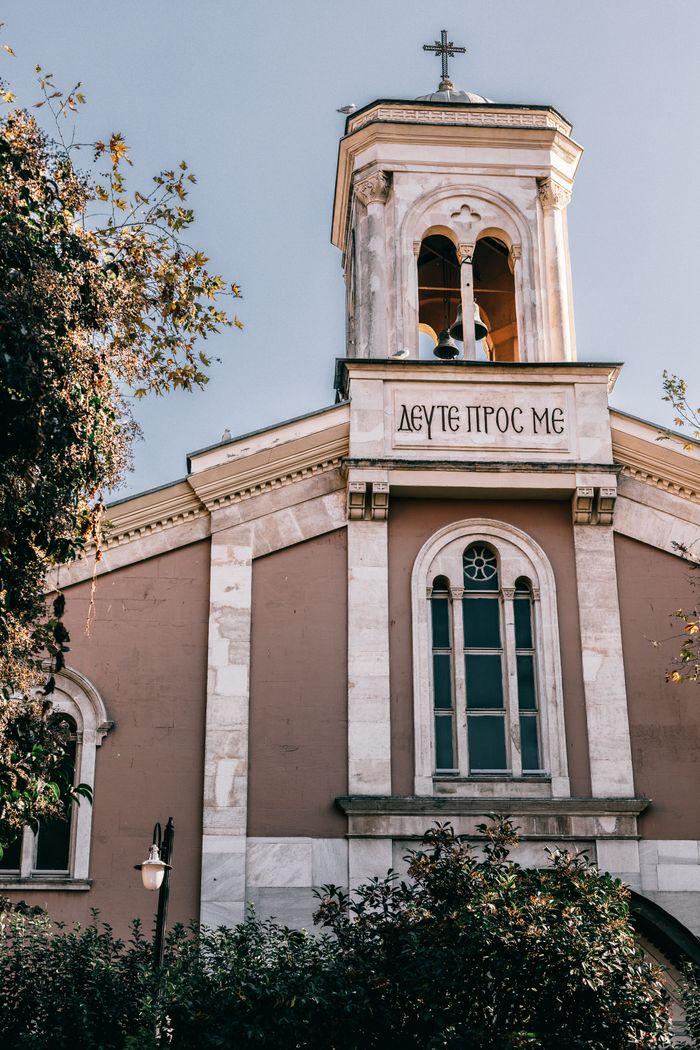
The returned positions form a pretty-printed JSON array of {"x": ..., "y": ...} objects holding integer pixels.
[
  {"x": 59, "y": 851},
  {"x": 494, "y": 291},
  {"x": 488, "y": 703}
]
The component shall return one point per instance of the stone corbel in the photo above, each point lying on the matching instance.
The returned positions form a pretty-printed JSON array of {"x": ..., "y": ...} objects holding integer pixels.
[
  {"x": 368, "y": 501},
  {"x": 605, "y": 505},
  {"x": 594, "y": 506},
  {"x": 379, "y": 504},
  {"x": 582, "y": 506},
  {"x": 373, "y": 188},
  {"x": 465, "y": 253},
  {"x": 552, "y": 194},
  {"x": 357, "y": 492},
  {"x": 513, "y": 255}
]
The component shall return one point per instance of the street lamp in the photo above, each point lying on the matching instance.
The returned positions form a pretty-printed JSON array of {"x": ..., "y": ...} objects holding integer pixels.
[{"x": 155, "y": 875}]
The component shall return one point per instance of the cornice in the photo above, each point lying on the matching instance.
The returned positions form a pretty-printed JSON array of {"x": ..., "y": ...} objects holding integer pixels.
[
  {"x": 151, "y": 512},
  {"x": 488, "y": 115},
  {"x": 643, "y": 457},
  {"x": 432, "y": 133}
]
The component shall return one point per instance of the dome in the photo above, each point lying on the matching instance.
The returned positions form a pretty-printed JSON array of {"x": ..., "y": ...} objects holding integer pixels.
[{"x": 447, "y": 92}]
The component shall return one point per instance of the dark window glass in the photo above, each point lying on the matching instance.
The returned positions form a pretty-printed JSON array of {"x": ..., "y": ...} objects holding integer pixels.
[
  {"x": 487, "y": 742},
  {"x": 523, "y": 622},
  {"x": 528, "y": 742},
  {"x": 442, "y": 679},
  {"x": 480, "y": 568},
  {"x": 443, "y": 742},
  {"x": 527, "y": 699},
  {"x": 53, "y": 837},
  {"x": 10, "y": 860},
  {"x": 484, "y": 681},
  {"x": 482, "y": 626},
  {"x": 441, "y": 623}
]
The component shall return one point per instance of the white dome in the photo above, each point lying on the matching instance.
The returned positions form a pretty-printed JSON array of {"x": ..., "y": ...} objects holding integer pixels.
[{"x": 447, "y": 92}]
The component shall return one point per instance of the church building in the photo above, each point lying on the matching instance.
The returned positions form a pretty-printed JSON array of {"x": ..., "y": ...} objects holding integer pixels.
[{"x": 434, "y": 599}]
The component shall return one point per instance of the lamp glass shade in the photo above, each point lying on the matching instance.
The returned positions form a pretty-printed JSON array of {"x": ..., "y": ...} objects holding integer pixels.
[{"x": 153, "y": 870}]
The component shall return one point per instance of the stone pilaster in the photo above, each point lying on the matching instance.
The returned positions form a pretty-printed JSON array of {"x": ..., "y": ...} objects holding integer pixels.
[
  {"x": 226, "y": 739},
  {"x": 369, "y": 741},
  {"x": 372, "y": 190},
  {"x": 554, "y": 199},
  {"x": 609, "y": 745}
]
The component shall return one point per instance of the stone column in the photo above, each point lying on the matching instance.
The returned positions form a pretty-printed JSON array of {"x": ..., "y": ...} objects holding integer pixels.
[
  {"x": 226, "y": 733},
  {"x": 465, "y": 255},
  {"x": 554, "y": 199},
  {"x": 369, "y": 703},
  {"x": 609, "y": 746},
  {"x": 521, "y": 305},
  {"x": 372, "y": 190}
]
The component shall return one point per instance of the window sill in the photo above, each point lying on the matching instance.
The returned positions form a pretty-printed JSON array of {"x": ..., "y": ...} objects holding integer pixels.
[
  {"x": 43, "y": 883},
  {"x": 494, "y": 785}
]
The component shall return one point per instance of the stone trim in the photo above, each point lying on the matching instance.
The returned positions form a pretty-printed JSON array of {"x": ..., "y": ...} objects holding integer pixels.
[
  {"x": 519, "y": 555},
  {"x": 422, "y": 805},
  {"x": 36, "y": 885},
  {"x": 609, "y": 746},
  {"x": 488, "y": 116}
]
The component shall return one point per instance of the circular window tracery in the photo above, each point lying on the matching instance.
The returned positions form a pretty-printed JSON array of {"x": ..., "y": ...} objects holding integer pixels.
[{"x": 480, "y": 564}]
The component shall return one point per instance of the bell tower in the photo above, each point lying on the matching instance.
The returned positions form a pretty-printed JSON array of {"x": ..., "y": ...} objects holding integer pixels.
[{"x": 450, "y": 212}]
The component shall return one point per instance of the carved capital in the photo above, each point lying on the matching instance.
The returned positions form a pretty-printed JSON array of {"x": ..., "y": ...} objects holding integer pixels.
[
  {"x": 514, "y": 254},
  {"x": 416, "y": 248},
  {"x": 373, "y": 188},
  {"x": 465, "y": 253},
  {"x": 552, "y": 194},
  {"x": 508, "y": 593}
]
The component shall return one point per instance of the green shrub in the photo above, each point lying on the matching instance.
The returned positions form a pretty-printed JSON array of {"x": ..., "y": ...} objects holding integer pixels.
[{"x": 471, "y": 951}]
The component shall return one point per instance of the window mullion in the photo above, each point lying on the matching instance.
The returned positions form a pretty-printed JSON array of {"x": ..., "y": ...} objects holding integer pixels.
[
  {"x": 457, "y": 593},
  {"x": 511, "y": 682}
]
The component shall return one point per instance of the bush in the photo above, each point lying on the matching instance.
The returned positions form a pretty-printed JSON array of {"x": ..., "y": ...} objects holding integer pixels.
[{"x": 472, "y": 951}]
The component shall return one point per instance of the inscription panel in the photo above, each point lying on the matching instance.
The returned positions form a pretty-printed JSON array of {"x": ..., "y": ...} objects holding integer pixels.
[{"x": 473, "y": 417}]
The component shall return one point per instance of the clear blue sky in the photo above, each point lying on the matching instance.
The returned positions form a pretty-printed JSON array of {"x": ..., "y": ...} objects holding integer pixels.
[{"x": 247, "y": 93}]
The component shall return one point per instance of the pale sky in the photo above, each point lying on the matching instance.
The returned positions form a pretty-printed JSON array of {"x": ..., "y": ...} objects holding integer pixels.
[{"x": 247, "y": 92}]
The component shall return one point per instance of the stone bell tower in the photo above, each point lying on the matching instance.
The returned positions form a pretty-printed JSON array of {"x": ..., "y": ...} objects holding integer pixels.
[{"x": 449, "y": 199}]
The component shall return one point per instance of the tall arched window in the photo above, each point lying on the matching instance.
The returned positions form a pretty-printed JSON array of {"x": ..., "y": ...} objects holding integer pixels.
[
  {"x": 494, "y": 290},
  {"x": 488, "y": 702},
  {"x": 59, "y": 852}
]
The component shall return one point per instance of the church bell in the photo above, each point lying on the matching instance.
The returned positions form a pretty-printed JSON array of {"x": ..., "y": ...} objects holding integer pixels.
[
  {"x": 480, "y": 329},
  {"x": 446, "y": 347}
]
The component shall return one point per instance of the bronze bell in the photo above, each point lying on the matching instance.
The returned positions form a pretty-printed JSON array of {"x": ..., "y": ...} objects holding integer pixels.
[
  {"x": 446, "y": 347},
  {"x": 480, "y": 329}
]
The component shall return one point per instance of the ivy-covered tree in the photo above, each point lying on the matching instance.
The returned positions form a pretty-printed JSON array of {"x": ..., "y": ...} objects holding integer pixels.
[
  {"x": 101, "y": 298},
  {"x": 472, "y": 952},
  {"x": 686, "y": 666}
]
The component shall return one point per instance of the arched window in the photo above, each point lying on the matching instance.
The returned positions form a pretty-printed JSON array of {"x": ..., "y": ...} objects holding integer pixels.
[
  {"x": 59, "y": 852},
  {"x": 439, "y": 291},
  {"x": 494, "y": 291},
  {"x": 488, "y": 702}
]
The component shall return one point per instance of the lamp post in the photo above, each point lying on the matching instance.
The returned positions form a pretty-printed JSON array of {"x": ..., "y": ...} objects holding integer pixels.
[{"x": 155, "y": 875}]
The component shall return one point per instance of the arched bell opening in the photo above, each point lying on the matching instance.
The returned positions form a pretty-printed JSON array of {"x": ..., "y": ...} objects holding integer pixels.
[
  {"x": 439, "y": 296},
  {"x": 494, "y": 291}
]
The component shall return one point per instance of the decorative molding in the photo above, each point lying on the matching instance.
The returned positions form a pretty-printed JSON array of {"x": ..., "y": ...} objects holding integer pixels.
[
  {"x": 373, "y": 188},
  {"x": 605, "y": 505},
  {"x": 659, "y": 482},
  {"x": 378, "y": 805},
  {"x": 489, "y": 116},
  {"x": 379, "y": 507},
  {"x": 552, "y": 194},
  {"x": 151, "y": 513}
]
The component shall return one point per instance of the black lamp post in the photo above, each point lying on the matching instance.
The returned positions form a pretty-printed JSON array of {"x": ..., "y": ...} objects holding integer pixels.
[{"x": 155, "y": 875}]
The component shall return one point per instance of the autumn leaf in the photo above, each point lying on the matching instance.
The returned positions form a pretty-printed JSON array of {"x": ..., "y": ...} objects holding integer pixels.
[{"x": 8, "y": 49}]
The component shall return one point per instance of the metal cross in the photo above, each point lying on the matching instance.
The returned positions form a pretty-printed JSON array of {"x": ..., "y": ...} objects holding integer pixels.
[{"x": 444, "y": 48}]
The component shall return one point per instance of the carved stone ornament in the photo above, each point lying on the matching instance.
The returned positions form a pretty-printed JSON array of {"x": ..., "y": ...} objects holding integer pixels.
[
  {"x": 552, "y": 194},
  {"x": 514, "y": 253},
  {"x": 356, "y": 500},
  {"x": 465, "y": 253},
  {"x": 373, "y": 188},
  {"x": 582, "y": 506}
]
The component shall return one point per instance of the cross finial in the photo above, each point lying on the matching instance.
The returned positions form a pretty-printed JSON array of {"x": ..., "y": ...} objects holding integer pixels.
[{"x": 446, "y": 49}]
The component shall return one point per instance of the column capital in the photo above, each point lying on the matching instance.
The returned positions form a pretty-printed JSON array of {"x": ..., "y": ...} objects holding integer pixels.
[
  {"x": 552, "y": 194},
  {"x": 465, "y": 253},
  {"x": 514, "y": 253},
  {"x": 373, "y": 188}
]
